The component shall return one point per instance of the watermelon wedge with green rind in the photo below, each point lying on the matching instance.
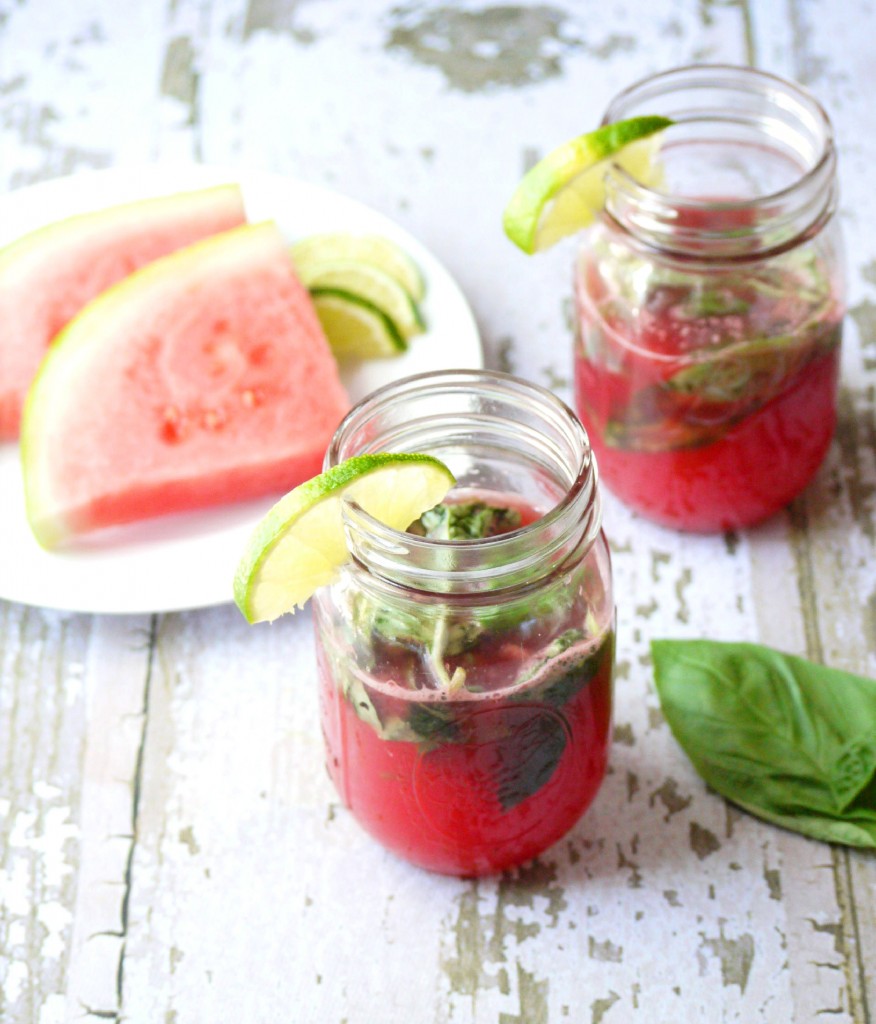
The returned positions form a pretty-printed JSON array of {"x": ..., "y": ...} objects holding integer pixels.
[
  {"x": 201, "y": 379},
  {"x": 48, "y": 275}
]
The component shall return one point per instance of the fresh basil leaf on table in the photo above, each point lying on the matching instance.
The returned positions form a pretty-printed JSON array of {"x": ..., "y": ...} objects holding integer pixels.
[{"x": 788, "y": 740}]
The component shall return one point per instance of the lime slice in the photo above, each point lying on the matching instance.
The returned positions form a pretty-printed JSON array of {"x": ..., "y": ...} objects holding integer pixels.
[
  {"x": 565, "y": 190},
  {"x": 371, "y": 285},
  {"x": 300, "y": 544},
  {"x": 380, "y": 252},
  {"x": 355, "y": 329}
]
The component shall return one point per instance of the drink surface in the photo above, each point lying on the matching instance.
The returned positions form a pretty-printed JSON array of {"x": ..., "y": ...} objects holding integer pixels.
[
  {"x": 468, "y": 739},
  {"x": 709, "y": 397}
]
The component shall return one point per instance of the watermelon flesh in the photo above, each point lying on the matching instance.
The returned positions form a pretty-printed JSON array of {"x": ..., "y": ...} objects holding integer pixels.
[
  {"x": 49, "y": 275},
  {"x": 203, "y": 378}
]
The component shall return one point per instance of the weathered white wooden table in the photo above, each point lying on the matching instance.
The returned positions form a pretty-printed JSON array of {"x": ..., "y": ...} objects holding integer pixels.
[{"x": 170, "y": 847}]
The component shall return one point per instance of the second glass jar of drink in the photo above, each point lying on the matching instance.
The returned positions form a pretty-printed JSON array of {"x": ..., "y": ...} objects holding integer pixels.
[
  {"x": 466, "y": 665},
  {"x": 709, "y": 304}
]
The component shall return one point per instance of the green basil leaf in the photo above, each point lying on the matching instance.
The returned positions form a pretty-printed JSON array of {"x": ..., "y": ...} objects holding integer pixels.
[
  {"x": 791, "y": 741},
  {"x": 469, "y": 520},
  {"x": 431, "y": 721},
  {"x": 653, "y": 423},
  {"x": 701, "y": 402},
  {"x": 529, "y": 758},
  {"x": 415, "y": 628},
  {"x": 411, "y": 627},
  {"x": 755, "y": 370},
  {"x": 706, "y": 301},
  {"x": 563, "y": 671}
]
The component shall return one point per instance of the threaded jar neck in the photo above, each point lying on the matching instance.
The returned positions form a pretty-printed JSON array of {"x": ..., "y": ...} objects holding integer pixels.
[
  {"x": 496, "y": 433},
  {"x": 748, "y": 169}
]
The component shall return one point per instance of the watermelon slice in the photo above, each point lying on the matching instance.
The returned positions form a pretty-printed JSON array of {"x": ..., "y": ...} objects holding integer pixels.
[
  {"x": 201, "y": 379},
  {"x": 47, "y": 276}
]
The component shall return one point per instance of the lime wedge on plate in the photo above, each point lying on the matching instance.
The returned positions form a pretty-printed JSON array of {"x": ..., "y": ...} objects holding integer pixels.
[
  {"x": 355, "y": 328},
  {"x": 565, "y": 190},
  {"x": 380, "y": 252},
  {"x": 371, "y": 285},
  {"x": 366, "y": 290},
  {"x": 300, "y": 544}
]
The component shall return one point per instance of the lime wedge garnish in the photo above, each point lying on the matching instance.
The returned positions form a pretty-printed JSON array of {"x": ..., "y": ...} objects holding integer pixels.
[
  {"x": 371, "y": 285},
  {"x": 316, "y": 250},
  {"x": 565, "y": 190},
  {"x": 366, "y": 290},
  {"x": 300, "y": 544},
  {"x": 356, "y": 329}
]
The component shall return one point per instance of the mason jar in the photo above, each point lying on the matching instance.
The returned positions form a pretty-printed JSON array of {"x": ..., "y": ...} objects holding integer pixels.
[
  {"x": 466, "y": 665},
  {"x": 709, "y": 302}
]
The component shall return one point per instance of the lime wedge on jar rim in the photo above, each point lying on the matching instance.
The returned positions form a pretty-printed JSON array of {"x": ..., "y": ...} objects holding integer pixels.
[
  {"x": 300, "y": 543},
  {"x": 565, "y": 190}
]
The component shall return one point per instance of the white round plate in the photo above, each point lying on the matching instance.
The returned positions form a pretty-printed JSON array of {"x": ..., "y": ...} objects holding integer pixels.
[{"x": 188, "y": 561}]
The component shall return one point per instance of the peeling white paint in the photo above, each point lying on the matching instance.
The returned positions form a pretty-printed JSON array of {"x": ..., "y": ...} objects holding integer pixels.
[
  {"x": 46, "y": 835},
  {"x": 45, "y": 791},
  {"x": 251, "y": 889},
  {"x": 15, "y": 894},
  {"x": 74, "y": 682},
  {"x": 56, "y": 918},
  {"x": 52, "y": 1010},
  {"x": 22, "y": 827},
  {"x": 15, "y": 982}
]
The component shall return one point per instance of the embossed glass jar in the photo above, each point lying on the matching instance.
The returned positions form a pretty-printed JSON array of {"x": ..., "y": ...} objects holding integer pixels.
[
  {"x": 466, "y": 684},
  {"x": 709, "y": 305}
]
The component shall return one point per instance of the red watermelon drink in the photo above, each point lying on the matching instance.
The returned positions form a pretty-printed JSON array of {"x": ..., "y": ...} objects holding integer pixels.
[
  {"x": 466, "y": 666},
  {"x": 708, "y": 329},
  {"x": 718, "y": 404}
]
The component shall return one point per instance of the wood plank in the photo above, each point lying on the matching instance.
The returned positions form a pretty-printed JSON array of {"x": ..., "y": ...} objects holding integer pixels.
[
  {"x": 194, "y": 863},
  {"x": 834, "y": 524},
  {"x": 117, "y": 677},
  {"x": 42, "y": 705}
]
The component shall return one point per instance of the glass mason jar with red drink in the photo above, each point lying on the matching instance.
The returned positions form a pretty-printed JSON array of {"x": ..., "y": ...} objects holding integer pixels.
[
  {"x": 709, "y": 305},
  {"x": 466, "y": 665}
]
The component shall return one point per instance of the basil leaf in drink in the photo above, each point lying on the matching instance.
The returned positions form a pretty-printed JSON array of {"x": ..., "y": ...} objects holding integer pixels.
[
  {"x": 470, "y": 520},
  {"x": 530, "y": 755},
  {"x": 705, "y": 301},
  {"x": 433, "y": 721},
  {"x": 566, "y": 667},
  {"x": 393, "y": 624},
  {"x": 538, "y": 743},
  {"x": 755, "y": 370},
  {"x": 399, "y": 625},
  {"x": 355, "y": 692},
  {"x": 700, "y": 403},
  {"x": 650, "y": 423},
  {"x": 788, "y": 740}
]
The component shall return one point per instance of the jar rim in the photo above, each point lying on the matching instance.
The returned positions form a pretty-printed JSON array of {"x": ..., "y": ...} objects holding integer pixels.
[
  {"x": 803, "y": 205},
  {"x": 482, "y": 564}
]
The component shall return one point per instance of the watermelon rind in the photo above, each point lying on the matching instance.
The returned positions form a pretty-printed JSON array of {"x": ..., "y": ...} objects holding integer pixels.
[
  {"x": 55, "y": 398},
  {"x": 139, "y": 211},
  {"x": 50, "y": 273}
]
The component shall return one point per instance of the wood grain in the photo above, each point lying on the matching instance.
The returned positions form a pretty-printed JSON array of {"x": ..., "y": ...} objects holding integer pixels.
[{"x": 171, "y": 849}]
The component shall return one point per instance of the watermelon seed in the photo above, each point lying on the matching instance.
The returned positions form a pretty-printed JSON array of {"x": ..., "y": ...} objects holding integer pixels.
[
  {"x": 214, "y": 419},
  {"x": 173, "y": 425}
]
